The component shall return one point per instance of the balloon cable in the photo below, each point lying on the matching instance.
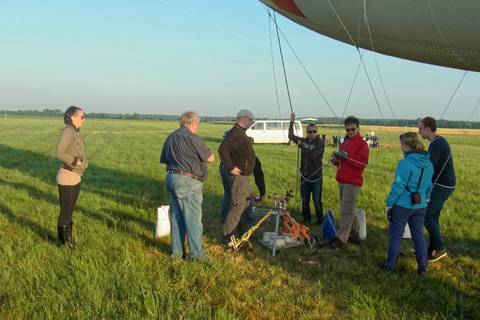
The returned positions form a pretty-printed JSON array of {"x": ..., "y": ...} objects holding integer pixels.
[
  {"x": 453, "y": 95},
  {"x": 273, "y": 65},
  {"x": 283, "y": 63},
  {"x": 365, "y": 17},
  {"x": 360, "y": 55},
  {"x": 474, "y": 110}
]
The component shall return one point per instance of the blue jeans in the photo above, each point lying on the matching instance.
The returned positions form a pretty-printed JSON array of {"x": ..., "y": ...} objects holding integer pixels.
[
  {"x": 314, "y": 188},
  {"x": 185, "y": 215},
  {"x": 415, "y": 219},
  {"x": 437, "y": 198}
]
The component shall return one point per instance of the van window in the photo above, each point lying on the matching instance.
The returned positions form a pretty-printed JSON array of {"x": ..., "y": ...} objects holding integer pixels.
[
  {"x": 258, "y": 126},
  {"x": 274, "y": 125},
  {"x": 297, "y": 128}
]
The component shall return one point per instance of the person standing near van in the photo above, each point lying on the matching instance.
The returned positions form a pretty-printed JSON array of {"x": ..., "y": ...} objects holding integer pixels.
[
  {"x": 312, "y": 148},
  {"x": 407, "y": 200},
  {"x": 186, "y": 155},
  {"x": 71, "y": 150},
  {"x": 351, "y": 159},
  {"x": 444, "y": 181},
  {"x": 238, "y": 157}
]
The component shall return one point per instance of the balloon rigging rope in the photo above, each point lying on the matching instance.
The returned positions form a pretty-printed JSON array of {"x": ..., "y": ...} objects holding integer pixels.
[
  {"x": 273, "y": 66},
  {"x": 453, "y": 95},
  {"x": 360, "y": 55},
  {"x": 351, "y": 88},
  {"x": 289, "y": 98},
  {"x": 365, "y": 16},
  {"x": 305, "y": 69},
  {"x": 474, "y": 109},
  {"x": 283, "y": 63},
  {"x": 309, "y": 76}
]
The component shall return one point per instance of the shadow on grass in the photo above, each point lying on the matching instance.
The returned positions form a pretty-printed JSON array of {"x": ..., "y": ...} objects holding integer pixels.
[
  {"x": 114, "y": 219},
  {"x": 124, "y": 188},
  {"x": 354, "y": 270},
  {"x": 138, "y": 191},
  {"x": 26, "y": 223}
]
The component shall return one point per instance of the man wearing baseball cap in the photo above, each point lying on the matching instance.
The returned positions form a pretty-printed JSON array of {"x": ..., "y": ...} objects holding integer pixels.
[{"x": 237, "y": 155}]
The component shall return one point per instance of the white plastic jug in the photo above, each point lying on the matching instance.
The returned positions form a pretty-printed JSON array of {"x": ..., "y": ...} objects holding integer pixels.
[
  {"x": 406, "y": 233},
  {"x": 361, "y": 222},
  {"x": 162, "y": 228}
]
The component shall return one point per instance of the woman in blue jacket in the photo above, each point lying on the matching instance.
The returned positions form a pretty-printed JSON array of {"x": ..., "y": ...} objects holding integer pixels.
[{"x": 407, "y": 201}]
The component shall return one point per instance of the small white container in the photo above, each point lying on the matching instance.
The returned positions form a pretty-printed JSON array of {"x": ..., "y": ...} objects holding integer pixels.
[
  {"x": 162, "y": 228},
  {"x": 280, "y": 241},
  {"x": 267, "y": 237}
]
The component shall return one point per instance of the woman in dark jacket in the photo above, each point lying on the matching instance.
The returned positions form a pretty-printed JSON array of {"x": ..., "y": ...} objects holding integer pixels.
[
  {"x": 407, "y": 201},
  {"x": 71, "y": 150}
]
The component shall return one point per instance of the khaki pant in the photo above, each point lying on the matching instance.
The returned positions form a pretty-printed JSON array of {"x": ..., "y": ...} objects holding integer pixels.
[
  {"x": 348, "y": 201},
  {"x": 241, "y": 191}
]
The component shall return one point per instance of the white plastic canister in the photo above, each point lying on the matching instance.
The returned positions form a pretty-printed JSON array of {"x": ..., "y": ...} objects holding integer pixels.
[
  {"x": 162, "y": 228},
  {"x": 361, "y": 222}
]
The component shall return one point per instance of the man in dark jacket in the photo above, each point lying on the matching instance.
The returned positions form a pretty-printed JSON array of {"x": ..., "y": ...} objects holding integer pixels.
[
  {"x": 312, "y": 149},
  {"x": 443, "y": 185},
  {"x": 238, "y": 157}
]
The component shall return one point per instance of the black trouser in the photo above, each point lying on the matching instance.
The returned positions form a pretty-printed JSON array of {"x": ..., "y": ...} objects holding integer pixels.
[
  {"x": 68, "y": 198},
  {"x": 314, "y": 187},
  {"x": 438, "y": 196},
  {"x": 259, "y": 177}
]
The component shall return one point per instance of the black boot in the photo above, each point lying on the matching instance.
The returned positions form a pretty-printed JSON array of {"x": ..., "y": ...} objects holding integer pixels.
[
  {"x": 62, "y": 234},
  {"x": 227, "y": 238},
  {"x": 69, "y": 234}
]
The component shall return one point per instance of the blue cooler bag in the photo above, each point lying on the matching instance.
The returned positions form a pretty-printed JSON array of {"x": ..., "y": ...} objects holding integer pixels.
[{"x": 328, "y": 227}]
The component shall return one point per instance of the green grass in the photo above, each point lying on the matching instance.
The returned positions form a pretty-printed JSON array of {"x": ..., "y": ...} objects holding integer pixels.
[{"x": 118, "y": 270}]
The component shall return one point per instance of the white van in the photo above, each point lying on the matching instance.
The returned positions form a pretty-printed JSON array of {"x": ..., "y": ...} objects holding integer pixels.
[{"x": 273, "y": 131}]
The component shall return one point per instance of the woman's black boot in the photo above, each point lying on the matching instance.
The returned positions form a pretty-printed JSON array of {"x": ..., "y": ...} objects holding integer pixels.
[
  {"x": 62, "y": 234},
  {"x": 69, "y": 234}
]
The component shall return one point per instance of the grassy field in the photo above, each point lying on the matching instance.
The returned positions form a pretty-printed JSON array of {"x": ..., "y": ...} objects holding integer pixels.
[{"x": 118, "y": 270}]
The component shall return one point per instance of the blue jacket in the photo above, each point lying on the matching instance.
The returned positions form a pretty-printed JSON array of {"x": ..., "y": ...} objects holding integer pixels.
[{"x": 406, "y": 181}]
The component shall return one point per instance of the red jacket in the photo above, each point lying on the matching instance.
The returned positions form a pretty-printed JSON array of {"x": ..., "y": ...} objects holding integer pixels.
[{"x": 350, "y": 169}]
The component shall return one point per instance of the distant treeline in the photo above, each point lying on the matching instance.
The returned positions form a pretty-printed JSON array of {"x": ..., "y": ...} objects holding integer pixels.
[{"x": 320, "y": 120}]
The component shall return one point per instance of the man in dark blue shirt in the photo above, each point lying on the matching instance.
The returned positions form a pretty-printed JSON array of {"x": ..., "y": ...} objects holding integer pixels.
[
  {"x": 444, "y": 182},
  {"x": 186, "y": 155}
]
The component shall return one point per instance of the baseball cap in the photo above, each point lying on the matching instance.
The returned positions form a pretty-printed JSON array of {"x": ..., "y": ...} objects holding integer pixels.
[{"x": 245, "y": 113}]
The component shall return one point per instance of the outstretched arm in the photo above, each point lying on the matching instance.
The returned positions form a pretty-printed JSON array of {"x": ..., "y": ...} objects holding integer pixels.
[{"x": 291, "y": 135}]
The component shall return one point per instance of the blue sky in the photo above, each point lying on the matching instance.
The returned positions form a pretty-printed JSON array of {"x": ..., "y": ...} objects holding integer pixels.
[{"x": 213, "y": 56}]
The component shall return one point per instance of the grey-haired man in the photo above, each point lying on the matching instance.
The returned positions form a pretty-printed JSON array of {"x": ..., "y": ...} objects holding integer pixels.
[{"x": 186, "y": 155}]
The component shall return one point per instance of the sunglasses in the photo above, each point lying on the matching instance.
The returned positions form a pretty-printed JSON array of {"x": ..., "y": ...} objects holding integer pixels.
[
  {"x": 312, "y": 131},
  {"x": 350, "y": 129}
]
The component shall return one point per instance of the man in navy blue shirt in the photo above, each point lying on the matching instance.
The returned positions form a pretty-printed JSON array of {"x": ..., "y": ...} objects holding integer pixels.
[
  {"x": 186, "y": 156},
  {"x": 443, "y": 181}
]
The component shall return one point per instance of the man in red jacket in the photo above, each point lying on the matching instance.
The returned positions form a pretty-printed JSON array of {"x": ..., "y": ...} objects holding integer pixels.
[{"x": 350, "y": 160}]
